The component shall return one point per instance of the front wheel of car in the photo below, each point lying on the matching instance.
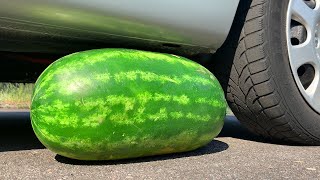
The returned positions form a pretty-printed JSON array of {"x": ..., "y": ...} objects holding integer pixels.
[{"x": 274, "y": 83}]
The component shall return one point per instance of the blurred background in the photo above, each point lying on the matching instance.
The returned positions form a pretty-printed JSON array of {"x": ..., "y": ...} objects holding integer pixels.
[{"x": 15, "y": 95}]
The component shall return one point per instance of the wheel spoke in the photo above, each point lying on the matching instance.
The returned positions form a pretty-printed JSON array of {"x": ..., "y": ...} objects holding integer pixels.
[
  {"x": 314, "y": 92},
  {"x": 302, "y": 54},
  {"x": 303, "y": 13}
]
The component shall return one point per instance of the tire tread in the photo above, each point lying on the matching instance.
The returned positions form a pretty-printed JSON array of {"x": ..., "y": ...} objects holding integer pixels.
[{"x": 251, "y": 91}]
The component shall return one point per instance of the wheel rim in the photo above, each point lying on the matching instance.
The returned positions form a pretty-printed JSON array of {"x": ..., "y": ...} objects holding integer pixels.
[{"x": 303, "y": 42}]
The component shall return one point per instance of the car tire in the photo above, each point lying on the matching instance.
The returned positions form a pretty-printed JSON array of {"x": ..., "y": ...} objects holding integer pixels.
[{"x": 262, "y": 88}]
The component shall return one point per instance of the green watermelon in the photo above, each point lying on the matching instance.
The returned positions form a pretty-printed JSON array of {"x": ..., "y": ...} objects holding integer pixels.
[{"x": 116, "y": 103}]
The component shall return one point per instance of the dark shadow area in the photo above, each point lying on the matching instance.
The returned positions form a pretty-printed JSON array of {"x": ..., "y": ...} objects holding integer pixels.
[
  {"x": 220, "y": 63},
  {"x": 233, "y": 128},
  {"x": 16, "y": 132},
  {"x": 214, "y": 147}
]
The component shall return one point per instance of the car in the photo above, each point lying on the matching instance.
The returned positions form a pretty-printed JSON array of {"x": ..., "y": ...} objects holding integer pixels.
[{"x": 265, "y": 53}]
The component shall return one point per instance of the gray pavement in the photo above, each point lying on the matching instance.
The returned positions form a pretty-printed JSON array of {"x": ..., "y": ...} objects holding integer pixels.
[{"x": 235, "y": 154}]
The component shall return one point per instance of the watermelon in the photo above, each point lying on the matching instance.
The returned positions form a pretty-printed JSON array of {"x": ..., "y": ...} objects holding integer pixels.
[{"x": 111, "y": 104}]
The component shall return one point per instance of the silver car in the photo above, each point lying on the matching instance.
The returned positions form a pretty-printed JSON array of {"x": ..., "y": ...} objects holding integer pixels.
[{"x": 266, "y": 53}]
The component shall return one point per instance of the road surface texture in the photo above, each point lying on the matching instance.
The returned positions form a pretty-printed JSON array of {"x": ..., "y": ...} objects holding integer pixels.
[{"x": 235, "y": 154}]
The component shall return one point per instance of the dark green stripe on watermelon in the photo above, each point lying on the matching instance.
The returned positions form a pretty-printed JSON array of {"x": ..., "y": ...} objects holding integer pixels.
[{"x": 114, "y": 104}]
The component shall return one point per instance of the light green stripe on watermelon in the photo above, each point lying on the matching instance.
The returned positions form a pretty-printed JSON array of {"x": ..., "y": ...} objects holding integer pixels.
[
  {"x": 153, "y": 77},
  {"x": 105, "y": 106},
  {"x": 78, "y": 83},
  {"x": 115, "y": 104}
]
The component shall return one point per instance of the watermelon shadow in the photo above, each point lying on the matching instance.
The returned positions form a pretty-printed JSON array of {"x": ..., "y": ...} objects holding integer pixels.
[
  {"x": 16, "y": 132},
  {"x": 214, "y": 146}
]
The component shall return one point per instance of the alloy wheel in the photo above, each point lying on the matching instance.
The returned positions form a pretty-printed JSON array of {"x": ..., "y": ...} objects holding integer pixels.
[{"x": 303, "y": 42}]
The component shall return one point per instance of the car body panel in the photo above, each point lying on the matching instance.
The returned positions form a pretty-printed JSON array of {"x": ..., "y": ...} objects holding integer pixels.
[{"x": 72, "y": 25}]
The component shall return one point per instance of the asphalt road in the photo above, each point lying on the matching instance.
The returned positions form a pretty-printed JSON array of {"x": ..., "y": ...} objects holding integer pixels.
[{"x": 235, "y": 154}]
